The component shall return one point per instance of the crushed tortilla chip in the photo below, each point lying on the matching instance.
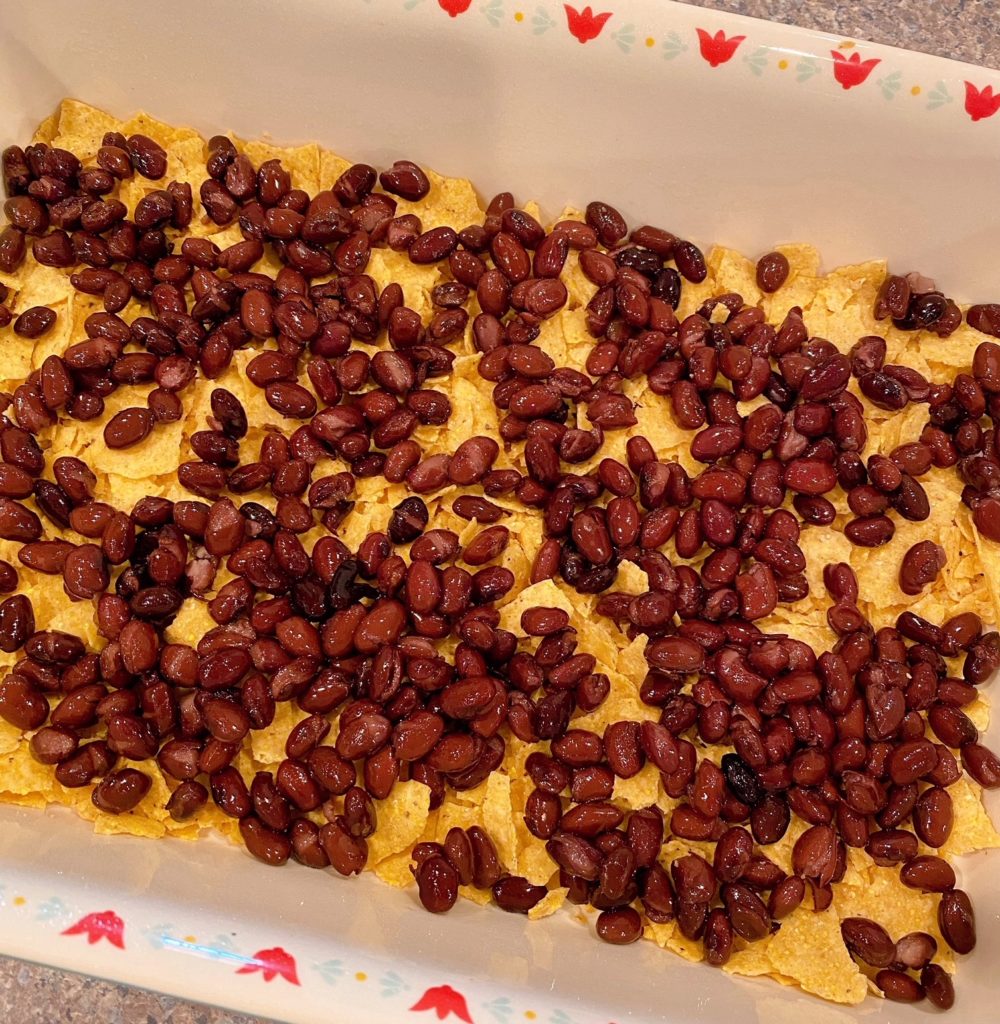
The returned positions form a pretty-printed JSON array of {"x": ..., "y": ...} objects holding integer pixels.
[
  {"x": 807, "y": 948},
  {"x": 548, "y": 905},
  {"x": 401, "y": 819},
  {"x": 498, "y": 819},
  {"x": 877, "y": 895}
]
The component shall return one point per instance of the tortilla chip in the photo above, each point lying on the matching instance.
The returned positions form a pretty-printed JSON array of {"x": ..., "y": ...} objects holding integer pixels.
[
  {"x": 548, "y": 905},
  {"x": 498, "y": 819},
  {"x": 807, "y": 948},
  {"x": 973, "y": 829},
  {"x": 401, "y": 819}
]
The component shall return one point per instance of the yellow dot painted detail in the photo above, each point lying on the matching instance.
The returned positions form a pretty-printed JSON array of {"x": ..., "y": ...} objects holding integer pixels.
[
  {"x": 530, "y": 1014},
  {"x": 519, "y": 15},
  {"x": 191, "y": 939},
  {"x": 783, "y": 64},
  {"x": 847, "y": 44},
  {"x": 650, "y": 41},
  {"x": 915, "y": 90},
  {"x": 361, "y": 976},
  {"x": 19, "y": 901}
]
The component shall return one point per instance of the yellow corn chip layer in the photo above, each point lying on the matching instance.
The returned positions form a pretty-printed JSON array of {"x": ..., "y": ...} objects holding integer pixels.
[{"x": 806, "y": 949}]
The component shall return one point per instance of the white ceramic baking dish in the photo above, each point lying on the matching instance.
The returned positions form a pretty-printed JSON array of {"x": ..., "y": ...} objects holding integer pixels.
[{"x": 726, "y": 129}]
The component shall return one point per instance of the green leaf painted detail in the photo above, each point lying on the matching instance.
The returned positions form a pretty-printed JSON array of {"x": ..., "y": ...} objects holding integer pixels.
[
  {"x": 890, "y": 84},
  {"x": 494, "y": 12},
  {"x": 938, "y": 96},
  {"x": 542, "y": 21},
  {"x": 625, "y": 38},
  {"x": 52, "y": 910},
  {"x": 155, "y": 934},
  {"x": 757, "y": 60},
  {"x": 392, "y": 984},
  {"x": 500, "y": 1009},
  {"x": 330, "y": 971},
  {"x": 673, "y": 46},
  {"x": 806, "y": 69}
]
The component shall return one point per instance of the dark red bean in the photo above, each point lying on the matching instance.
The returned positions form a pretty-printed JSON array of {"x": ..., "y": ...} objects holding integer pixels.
[
  {"x": 186, "y": 800},
  {"x": 933, "y": 816},
  {"x": 607, "y": 222},
  {"x": 937, "y": 983},
  {"x": 517, "y": 895},
  {"x": 620, "y": 926},
  {"x": 870, "y": 531},
  {"x": 785, "y": 897},
  {"x": 437, "y": 884},
  {"x": 347, "y": 854},
  {"x": 85, "y": 572},
  {"x": 982, "y": 764},
  {"x": 929, "y": 874},
  {"x": 772, "y": 271},
  {"x": 34, "y": 322},
  {"x": 718, "y": 937},
  {"x": 957, "y": 921},
  {"x": 22, "y": 703},
  {"x": 899, "y": 986},
  {"x": 868, "y": 941},
  {"x": 747, "y": 911},
  {"x": 814, "y": 855},
  {"x": 690, "y": 262},
  {"x": 121, "y": 791},
  {"x": 147, "y": 157},
  {"x": 433, "y": 245},
  {"x": 921, "y": 566},
  {"x": 891, "y": 846}
]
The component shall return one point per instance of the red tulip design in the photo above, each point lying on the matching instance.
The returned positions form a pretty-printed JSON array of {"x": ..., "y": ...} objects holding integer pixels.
[
  {"x": 455, "y": 7},
  {"x": 718, "y": 49},
  {"x": 585, "y": 25},
  {"x": 107, "y": 925},
  {"x": 980, "y": 103},
  {"x": 271, "y": 963},
  {"x": 444, "y": 1000},
  {"x": 852, "y": 71}
]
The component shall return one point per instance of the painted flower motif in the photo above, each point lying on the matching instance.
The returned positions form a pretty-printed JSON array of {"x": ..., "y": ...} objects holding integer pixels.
[
  {"x": 718, "y": 49},
  {"x": 585, "y": 25},
  {"x": 852, "y": 71},
  {"x": 455, "y": 7},
  {"x": 980, "y": 103},
  {"x": 444, "y": 1001},
  {"x": 106, "y": 925},
  {"x": 271, "y": 963}
]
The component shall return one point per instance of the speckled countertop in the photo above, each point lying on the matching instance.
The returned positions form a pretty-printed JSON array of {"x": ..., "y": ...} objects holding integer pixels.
[{"x": 960, "y": 29}]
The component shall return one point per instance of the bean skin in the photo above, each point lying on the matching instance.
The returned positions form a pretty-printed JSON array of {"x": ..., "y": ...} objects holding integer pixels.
[
  {"x": 437, "y": 884},
  {"x": 772, "y": 271},
  {"x": 938, "y": 986},
  {"x": 620, "y": 927},
  {"x": 899, "y": 987},
  {"x": 957, "y": 921},
  {"x": 121, "y": 791},
  {"x": 868, "y": 941}
]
